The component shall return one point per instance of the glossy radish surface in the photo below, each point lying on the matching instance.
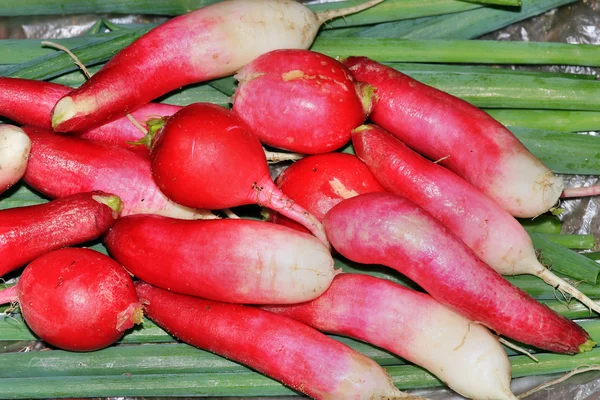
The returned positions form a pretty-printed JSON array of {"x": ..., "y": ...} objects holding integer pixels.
[
  {"x": 300, "y": 100},
  {"x": 14, "y": 153},
  {"x": 76, "y": 299},
  {"x": 237, "y": 261}
]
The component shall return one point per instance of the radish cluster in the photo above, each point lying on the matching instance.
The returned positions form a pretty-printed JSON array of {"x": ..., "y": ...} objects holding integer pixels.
[{"x": 451, "y": 231}]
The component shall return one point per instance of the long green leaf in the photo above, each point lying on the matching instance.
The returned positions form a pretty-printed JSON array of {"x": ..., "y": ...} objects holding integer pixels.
[
  {"x": 556, "y": 120},
  {"x": 542, "y": 224}
]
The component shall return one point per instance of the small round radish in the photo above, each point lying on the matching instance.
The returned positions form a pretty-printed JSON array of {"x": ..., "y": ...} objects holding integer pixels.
[
  {"x": 14, "y": 153},
  {"x": 76, "y": 299},
  {"x": 301, "y": 101},
  {"x": 205, "y": 156}
]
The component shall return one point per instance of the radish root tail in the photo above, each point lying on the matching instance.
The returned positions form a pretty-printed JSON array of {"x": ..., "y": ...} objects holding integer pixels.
[
  {"x": 562, "y": 285},
  {"x": 340, "y": 12}
]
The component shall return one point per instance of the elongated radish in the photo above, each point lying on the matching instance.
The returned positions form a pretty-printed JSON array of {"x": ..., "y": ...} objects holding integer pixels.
[
  {"x": 382, "y": 228},
  {"x": 211, "y": 42},
  {"x": 462, "y": 137},
  {"x": 319, "y": 182},
  {"x": 279, "y": 347},
  {"x": 205, "y": 156},
  {"x": 233, "y": 260},
  {"x": 464, "y": 355},
  {"x": 76, "y": 299},
  {"x": 29, "y": 232},
  {"x": 491, "y": 232},
  {"x": 14, "y": 153},
  {"x": 300, "y": 100},
  {"x": 62, "y": 165}
]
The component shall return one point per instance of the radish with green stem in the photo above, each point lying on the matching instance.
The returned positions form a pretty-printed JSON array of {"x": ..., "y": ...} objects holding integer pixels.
[
  {"x": 14, "y": 153},
  {"x": 211, "y": 42}
]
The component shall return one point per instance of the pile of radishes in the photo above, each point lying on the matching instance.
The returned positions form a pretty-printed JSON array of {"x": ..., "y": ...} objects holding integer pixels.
[{"x": 259, "y": 292}]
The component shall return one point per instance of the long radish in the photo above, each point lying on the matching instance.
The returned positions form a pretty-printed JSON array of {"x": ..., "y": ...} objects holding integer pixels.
[
  {"x": 205, "y": 156},
  {"x": 300, "y": 100},
  {"x": 464, "y": 355},
  {"x": 63, "y": 165},
  {"x": 76, "y": 299},
  {"x": 461, "y": 137},
  {"x": 211, "y": 42},
  {"x": 491, "y": 232},
  {"x": 29, "y": 232},
  {"x": 14, "y": 153},
  {"x": 279, "y": 347},
  {"x": 231, "y": 260},
  {"x": 382, "y": 228}
]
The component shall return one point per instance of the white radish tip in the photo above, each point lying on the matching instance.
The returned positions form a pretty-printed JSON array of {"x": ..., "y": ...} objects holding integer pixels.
[{"x": 64, "y": 110}]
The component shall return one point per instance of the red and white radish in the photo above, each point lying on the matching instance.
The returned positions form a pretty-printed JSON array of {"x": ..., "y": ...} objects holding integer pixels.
[
  {"x": 76, "y": 299},
  {"x": 464, "y": 355},
  {"x": 289, "y": 351},
  {"x": 14, "y": 153},
  {"x": 205, "y": 156},
  {"x": 300, "y": 100},
  {"x": 462, "y": 137},
  {"x": 29, "y": 232},
  {"x": 63, "y": 165},
  {"x": 211, "y": 42},
  {"x": 490, "y": 231},
  {"x": 382, "y": 228},
  {"x": 231, "y": 260}
]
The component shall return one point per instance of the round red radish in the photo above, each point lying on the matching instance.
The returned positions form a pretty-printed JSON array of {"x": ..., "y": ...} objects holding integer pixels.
[
  {"x": 300, "y": 100},
  {"x": 76, "y": 299}
]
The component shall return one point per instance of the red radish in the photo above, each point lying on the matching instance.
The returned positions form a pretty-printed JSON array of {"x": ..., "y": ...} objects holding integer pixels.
[
  {"x": 464, "y": 355},
  {"x": 29, "y": 232},
  {"x": 382, "y": 228},
  {"x": 279, "y": 347},
  {"x": 76, "y": 299},
  {"x": 300, "y": 100},
  {"x": 14, "y": 152},
  {"x": 319, "y": 182},
  {"x": 462, "y": 137},
  {"x": 205, "y": 156},
  {"x": 211, "y": 42},
  {"x": 62, "y": 165},
  {"x": 234, "y": 260},
  {"x": 491, "y": 232}
]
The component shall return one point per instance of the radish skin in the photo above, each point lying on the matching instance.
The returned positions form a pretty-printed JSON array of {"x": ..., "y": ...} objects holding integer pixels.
[
  {"x": 464, "y": 355},
  {"x": 464, "y": 138},
  {"x": 382, "y": 228},
  {"x": 14, "y": 153},
  {"x": 28, "y": 232},
  {"x": 76, "y": 299},
  {"x": 230, "y": 260},
  {"x": 63, "y": 165},
  {"x": 490, "y": 231},
  {"x": 211, "y": 42},
  {"x": 279, "y": 347}
]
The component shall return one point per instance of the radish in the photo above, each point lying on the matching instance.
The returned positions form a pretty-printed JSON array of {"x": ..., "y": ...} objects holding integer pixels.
[
  {"x": 231, "y": 260},
  {"x": 28, "y": 232},
  {"x": 279, "y": 347},
  {"x": 319, "y": 182},
  {"x": 62, "y": 165},
  {"x": 211, "y": 42},
  {"x": 300, "y": 100},
  {"x": 462, "y": 137},
  {"x": 464, "y": 355},
  {"x": 14, "y": 152},
  {"x": 382, "y": 228},
  {"x": 491, "y": 232},
  {"x": 76, "y": 299},
  {"x": 205, "y": 156}
]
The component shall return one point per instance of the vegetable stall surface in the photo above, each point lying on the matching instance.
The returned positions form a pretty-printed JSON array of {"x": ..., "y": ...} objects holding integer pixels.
[
  {"x": 300, "y": 100},
  {"x": 231, "y": 260},
  {"x": 464, "y": 355},
  {"x": 14, "y": 153},
  {"x": 29, "y": 232},
  {"x": 211, "y": 42},
  {"x": 459, "y": 135},
  {"x": 284, "y": 349},
  {"x": 76, "y": 299},
  {"x": 382, "y": 228}
]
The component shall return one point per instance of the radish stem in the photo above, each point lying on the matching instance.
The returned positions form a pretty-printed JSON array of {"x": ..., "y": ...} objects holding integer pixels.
[{"x": 585, "y": 191}]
